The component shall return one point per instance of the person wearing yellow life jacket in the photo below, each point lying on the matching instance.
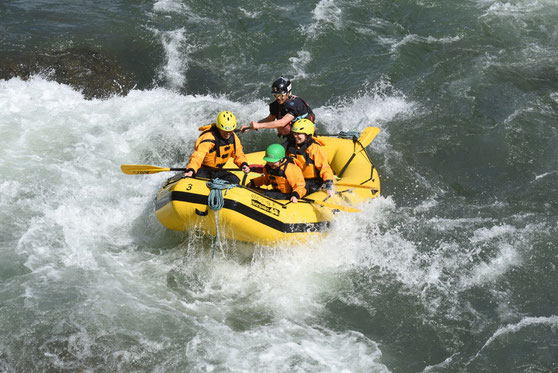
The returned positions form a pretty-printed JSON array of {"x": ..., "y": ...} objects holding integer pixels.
[
  {"x": 216, "y": 144},
  {"x": 284, "y": 111},
  {"x": 282, "y": 174},
  {"x": 309, "y": 154}
]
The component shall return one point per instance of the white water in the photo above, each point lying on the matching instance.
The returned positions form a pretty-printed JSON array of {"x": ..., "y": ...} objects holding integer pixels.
[
  {"x": 91, "y": 254},
  {"x": 95, "y": 279},
  {"x": 91, "y": 281}
]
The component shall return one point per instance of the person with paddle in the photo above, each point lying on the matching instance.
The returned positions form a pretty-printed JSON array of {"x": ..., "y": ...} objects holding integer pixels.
[
  {"x": 215, "y": 145},
  {"x": 284, "y": 111},
  {"x": 282, "y": 173},
  {"x": 309, "y": 154}
]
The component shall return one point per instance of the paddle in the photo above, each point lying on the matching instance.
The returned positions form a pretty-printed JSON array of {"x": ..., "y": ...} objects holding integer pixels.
[
  {"x": 368, "y": 135},
  {"x": 208, "y": 126},
  {"x": 284, "y": 205},
  {"x": 356, "y": 186},
  {"x": 331, "y": 205},
  {"x": 142, "y": 169}
]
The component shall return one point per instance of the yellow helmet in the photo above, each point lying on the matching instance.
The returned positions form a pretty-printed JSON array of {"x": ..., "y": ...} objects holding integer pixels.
[
  {"x": 303, "y": 126},
  {"x": 226, "y": 121}
]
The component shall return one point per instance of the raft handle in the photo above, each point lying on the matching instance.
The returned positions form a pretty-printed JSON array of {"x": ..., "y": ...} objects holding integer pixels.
[{"x": 202, "y": 213}]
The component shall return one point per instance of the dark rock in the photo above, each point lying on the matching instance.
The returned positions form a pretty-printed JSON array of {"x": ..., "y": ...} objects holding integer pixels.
[{"x": 90, "y": 71}]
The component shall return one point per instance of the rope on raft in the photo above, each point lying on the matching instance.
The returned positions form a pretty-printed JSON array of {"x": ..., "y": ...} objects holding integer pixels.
[
  {"x": 349, "y": 134},
  {"x": 216, "y": 201}
]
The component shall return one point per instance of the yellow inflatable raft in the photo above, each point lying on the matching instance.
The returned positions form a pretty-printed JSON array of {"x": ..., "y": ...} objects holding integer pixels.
[{"x": 248, "y": 215}]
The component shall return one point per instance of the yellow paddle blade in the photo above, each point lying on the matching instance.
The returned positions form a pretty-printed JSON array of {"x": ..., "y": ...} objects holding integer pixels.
[
  {"x": 141, "y": 169},
  {"x": 332, "y": 205},
  {"x": 368, "y": 135}
]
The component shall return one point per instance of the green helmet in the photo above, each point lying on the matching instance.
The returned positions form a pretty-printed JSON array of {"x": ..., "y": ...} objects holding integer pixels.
[{"x": 274, "y": 153}]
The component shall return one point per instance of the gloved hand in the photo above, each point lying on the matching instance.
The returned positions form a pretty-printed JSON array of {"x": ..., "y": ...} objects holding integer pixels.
[{"x": 328, "y": 186}]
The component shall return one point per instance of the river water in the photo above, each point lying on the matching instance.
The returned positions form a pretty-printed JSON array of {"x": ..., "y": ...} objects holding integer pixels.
[{"x": 451, "y": 269}]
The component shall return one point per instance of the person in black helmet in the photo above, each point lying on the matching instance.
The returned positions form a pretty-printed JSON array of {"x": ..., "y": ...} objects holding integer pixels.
[{"x": 284, "y": 111}]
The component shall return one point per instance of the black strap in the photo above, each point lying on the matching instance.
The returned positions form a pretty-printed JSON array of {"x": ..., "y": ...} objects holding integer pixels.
[
  {"x": 355, "y": 140},
  {"x": 202, "y": 213},
  {"x": 219, "y": 141},
  {"x": 346, "y": 165}
]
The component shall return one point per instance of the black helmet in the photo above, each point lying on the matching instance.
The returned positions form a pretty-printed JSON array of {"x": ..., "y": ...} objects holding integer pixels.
[{"x": 281, "y": 86}]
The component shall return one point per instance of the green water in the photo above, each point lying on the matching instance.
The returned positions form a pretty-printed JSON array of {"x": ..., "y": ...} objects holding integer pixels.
[{"x": 452, "y": 269}]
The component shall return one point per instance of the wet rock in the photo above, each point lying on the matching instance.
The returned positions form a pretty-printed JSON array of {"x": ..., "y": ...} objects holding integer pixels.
[{"x": 88, "y": 70}]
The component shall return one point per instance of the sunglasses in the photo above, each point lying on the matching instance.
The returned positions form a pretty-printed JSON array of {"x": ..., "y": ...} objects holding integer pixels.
[{"x": 279, "y": 95}]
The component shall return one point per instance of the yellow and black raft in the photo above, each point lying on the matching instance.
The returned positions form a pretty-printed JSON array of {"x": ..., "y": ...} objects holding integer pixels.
[{"x": 246, "y": 214}]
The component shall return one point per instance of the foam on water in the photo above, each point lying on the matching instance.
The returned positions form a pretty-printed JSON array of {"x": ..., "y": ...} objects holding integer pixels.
[
  {"x": 326, "y": 14},
  {"x": 518, "y": 10},
  {"x": 371, "y": 107},
  {"x": 397, "y": 45},
  {"x": 171, "y": 6},
  {"x": 89, "y": 240},
  {"x": 80, "y": 221},
  {"x": 299, "y": 63},
  {"x": 515, "y": 340},
  {"x": 177, "y": 58},
  {"x": 551, "y": 321},
  {"x": 285, "y": 345},
  {"x": 451, "y": 267},
  {"x": 284, "y": 288}
]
